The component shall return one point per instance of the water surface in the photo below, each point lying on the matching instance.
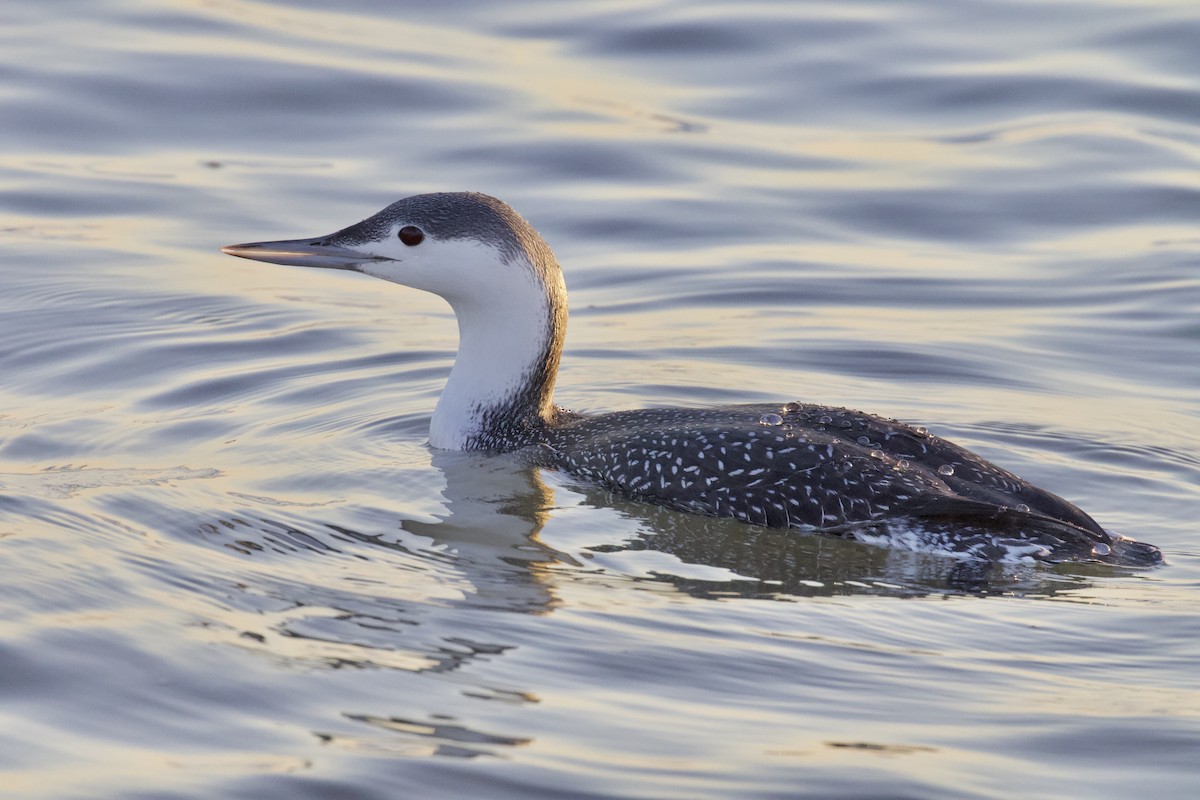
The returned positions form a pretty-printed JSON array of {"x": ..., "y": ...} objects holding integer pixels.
[{"x": 232, "y": 568}]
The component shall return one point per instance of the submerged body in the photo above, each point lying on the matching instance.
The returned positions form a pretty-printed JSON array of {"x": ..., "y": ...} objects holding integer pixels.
[{"x": 791, "y": 465}]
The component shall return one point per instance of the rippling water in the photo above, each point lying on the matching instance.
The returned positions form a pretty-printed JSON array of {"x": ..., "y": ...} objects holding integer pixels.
[{"x": 233, "y": 569}]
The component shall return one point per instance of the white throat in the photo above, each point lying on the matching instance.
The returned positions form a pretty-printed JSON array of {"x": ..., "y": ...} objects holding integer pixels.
[
  {"x": 512, "y": 316},
  {"x": 504, "y": 332}
]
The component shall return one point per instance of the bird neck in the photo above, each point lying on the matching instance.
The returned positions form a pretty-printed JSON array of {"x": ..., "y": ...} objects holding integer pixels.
[{"x": 500, "y": 393}]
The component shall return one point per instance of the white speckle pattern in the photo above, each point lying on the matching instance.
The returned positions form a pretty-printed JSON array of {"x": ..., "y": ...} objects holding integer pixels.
[
  {"x": 836, "y": 470},
  {"x": 799, "y": 472}
]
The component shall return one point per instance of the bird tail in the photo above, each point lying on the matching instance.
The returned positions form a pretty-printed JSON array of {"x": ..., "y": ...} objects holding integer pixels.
[{"x": 996, "y": 530}]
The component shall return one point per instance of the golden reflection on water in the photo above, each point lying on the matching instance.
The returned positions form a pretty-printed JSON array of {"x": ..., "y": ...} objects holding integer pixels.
[
  {"x": 96, "y": 768},
  {"x": 308, "y": 543}
]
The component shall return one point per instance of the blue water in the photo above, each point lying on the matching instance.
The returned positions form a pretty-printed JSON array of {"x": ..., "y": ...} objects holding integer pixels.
[{"x": 232, "y": 568}]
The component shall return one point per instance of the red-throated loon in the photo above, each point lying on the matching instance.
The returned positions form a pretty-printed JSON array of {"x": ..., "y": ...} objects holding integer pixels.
[{"x": 796, "y": 465}]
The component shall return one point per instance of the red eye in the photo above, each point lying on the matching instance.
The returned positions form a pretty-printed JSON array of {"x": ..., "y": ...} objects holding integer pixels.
[{"x": 411, "y": 235}]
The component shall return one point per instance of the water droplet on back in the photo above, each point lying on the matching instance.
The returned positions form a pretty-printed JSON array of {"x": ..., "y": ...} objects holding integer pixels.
[
  {"x": 1024, "y": 509},
  {"x": 921, "y": 430},
  {"x": 770, "y": 419},
  {"x": 1101, "y": 549},
  {"x": 945, "y": 469},
  {"x": 789, "y": 408}
]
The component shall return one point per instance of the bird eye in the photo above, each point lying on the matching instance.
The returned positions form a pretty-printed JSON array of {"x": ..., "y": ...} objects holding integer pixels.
[{"x": 411, "y": 235}]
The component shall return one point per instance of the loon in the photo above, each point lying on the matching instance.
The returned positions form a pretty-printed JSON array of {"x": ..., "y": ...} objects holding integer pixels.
[{"x": 787, "y": 465}]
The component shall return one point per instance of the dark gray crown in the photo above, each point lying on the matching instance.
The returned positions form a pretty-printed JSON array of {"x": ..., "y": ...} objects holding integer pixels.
[{"x": 454, "y": 215}]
